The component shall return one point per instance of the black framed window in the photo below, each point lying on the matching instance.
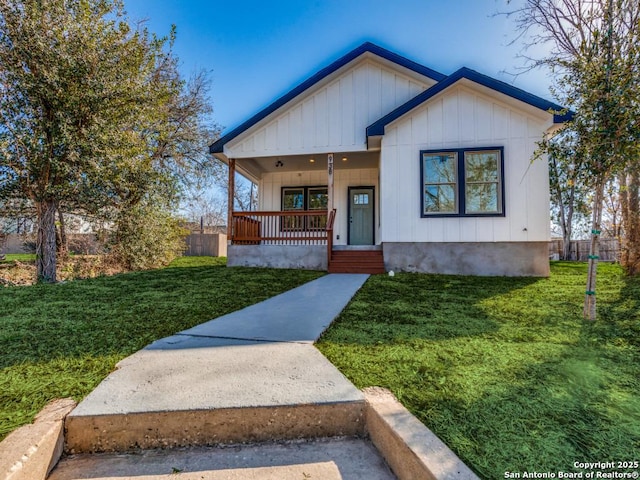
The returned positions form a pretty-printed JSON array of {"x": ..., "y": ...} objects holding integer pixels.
[
  {"x": 462, "y": 182},
  {"x": 304, "y": 198}
]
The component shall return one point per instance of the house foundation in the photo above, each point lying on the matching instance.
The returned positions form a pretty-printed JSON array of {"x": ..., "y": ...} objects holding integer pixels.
[
  {"x": 510, "y": 259},
  {"x": 306, "y": 257}
]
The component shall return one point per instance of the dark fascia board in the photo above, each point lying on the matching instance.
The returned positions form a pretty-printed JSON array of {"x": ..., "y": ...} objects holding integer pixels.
[
  {"x": 378, "y": 127},
  {"x": 218, "y": 146}
]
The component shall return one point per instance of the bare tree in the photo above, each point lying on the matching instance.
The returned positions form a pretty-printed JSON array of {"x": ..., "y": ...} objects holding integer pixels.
[{"x": 595, "y": 54}]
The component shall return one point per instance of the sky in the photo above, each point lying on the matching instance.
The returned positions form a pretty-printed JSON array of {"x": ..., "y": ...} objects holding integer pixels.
[{"x": 256, "y": 51}]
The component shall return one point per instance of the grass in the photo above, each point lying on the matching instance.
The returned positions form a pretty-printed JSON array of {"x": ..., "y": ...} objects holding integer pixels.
[
  {"x": 62, "y": 340},
  {"x": 19, "y": 257},
  {"x": 503, "y": 370}
]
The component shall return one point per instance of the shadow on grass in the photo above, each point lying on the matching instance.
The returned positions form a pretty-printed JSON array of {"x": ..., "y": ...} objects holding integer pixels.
[
  {"x": 561, "y": 410},
  {"x": 505, "y": 371},
  {"x": 62, "y": 340},
  {"x": 425, "y": 307},
  {"x": 123, "y": 313}
]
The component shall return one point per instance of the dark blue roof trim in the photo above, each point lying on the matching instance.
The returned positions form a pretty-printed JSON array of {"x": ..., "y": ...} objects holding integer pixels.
[
  {"x": 218, "y": 146},
  {"x": 377, "y": 128}
]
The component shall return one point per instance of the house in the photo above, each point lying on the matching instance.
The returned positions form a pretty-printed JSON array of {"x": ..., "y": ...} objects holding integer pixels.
[{"x": 377, "y": 163}]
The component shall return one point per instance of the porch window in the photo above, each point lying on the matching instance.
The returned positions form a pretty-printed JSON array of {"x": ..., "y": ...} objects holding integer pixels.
[
  {"x": 317, "y": 199},
  {"x": 304, "y": 198},
  {"x": 462, "y": 182},
  {"x": 292, "y": 199}
]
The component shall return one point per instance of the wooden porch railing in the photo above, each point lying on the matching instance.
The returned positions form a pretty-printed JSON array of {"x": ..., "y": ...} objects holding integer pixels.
[
  {"x": 330, "y": 220},
  {"x": 300, "y": 227}
]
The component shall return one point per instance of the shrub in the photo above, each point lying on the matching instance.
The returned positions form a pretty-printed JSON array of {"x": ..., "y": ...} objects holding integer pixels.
[{"x": 147, "y": 237}]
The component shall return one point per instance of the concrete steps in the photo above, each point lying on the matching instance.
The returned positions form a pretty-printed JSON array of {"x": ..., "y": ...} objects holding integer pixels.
[
  {"x": 357, "y": 261},
  {"x": 326, "y": 459},
  {"x": 395, "y": 445},
  {"x": 187, "y": 391}
]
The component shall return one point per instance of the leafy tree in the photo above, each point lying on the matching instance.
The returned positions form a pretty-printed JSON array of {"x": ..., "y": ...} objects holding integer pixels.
[
  {"x": 147, "y": 237},
  {"x": 568, "y": 194},
  {"x": 594, "y": 48},
  {"x": 93, "y": 114}
]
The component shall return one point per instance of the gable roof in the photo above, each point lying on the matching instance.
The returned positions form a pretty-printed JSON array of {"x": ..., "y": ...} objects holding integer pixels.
[
  {"x": 218, "y": 146},
  {"x": 378, "y": 127}
]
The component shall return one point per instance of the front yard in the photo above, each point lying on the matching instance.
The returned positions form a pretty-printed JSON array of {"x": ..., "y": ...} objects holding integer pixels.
[
  {"x": 62, "y": 340},
  {"x": 504, "y": 370}
]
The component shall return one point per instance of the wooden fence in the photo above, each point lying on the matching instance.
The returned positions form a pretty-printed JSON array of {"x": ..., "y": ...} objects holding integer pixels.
[
  {"x": 206, "y": 244},
  {"x": 609, "y": 250}
]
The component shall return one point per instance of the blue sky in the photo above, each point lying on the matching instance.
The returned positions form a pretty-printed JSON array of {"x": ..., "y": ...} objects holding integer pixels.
[{"x": 258, "y": 50}]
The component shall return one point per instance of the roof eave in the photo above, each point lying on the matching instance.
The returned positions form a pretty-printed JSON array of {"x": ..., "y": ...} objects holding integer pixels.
[
  {"x": 378, "y": 128},
  {"x": 218, "y": 146}
]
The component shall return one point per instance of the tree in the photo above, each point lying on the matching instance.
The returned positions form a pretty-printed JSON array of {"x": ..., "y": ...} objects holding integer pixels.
[
  {"x": 93, "y": 113},
  {"x": 595, "y": 51},
  {"x": 629, "y": 181},
  {"x": 568, "y": 195}
]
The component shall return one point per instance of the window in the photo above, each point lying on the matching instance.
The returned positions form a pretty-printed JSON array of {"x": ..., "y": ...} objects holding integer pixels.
[
  {"x": 361, "y": 199},
  {"x": 317, "y": 199},
  {"x": 304, "y": 198},
  {"x": 292, "y": 199},
  {"x": 462, "y": 182},
  {"x": 440, "y": 179}
]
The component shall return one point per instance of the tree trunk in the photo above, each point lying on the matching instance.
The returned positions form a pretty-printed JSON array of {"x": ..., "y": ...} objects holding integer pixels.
[
  {"x": 46, "y": 241},
  {"x": 589, "y": 311},
  {"x": 61, "y": 240},
  {"x": 567, "y": 229},
  {"x": 566, "y": 245},
  {"x": 630, "y": 258}
]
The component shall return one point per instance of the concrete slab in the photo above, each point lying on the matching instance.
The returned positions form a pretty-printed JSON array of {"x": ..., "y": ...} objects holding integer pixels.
[
  {"x": 249, "y": 376},
  {"x": 216, "y": 391},
  {"x": 219, "y": 373},
  {"x": 299, "y": 315},
  {"x": 326, "y": 459}
]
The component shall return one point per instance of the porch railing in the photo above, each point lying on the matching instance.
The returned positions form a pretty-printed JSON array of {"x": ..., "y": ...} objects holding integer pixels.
[
  {"x": 330, "y": 220},
  {"x": 300, "y": 227}
]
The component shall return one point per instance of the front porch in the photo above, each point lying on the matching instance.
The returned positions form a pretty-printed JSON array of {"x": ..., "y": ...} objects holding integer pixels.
[
  {"x": 296, "y": 239},
  {"x": 306, "y": 206}
]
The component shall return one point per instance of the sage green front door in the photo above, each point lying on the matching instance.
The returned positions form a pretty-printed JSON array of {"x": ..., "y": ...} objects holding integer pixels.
[{"x": 361, "y": 216}]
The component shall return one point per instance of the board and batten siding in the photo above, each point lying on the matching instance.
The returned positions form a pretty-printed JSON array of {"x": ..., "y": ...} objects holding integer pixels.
[
  {"x": 270, "y": 191},
  {"x": 464, "y": 118},
  {"x": 332, "y": 117}
]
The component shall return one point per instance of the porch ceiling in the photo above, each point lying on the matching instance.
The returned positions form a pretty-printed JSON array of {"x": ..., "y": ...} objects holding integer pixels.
[{"x": 302, "y": 163}]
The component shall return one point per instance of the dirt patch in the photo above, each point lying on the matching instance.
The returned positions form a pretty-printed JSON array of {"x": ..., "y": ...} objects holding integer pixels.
[{"x": 17, "y": 273}]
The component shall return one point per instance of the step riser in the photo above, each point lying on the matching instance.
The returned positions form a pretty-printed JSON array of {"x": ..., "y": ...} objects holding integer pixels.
[
  {"x": 126, "y": 432},
  {"x": 357, "y": 261},
  {"x": 357, "y": 270}
]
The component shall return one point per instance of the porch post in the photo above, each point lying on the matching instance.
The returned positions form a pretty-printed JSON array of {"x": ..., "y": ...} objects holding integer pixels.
[
  {"x": 230, "y": 199},
  {"x": 330, "y": 182}
]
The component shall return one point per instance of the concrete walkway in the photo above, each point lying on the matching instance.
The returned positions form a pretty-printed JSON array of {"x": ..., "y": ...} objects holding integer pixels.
[
  {"x": 250, "y": 376},
  {"x": 259, "y": 356}
]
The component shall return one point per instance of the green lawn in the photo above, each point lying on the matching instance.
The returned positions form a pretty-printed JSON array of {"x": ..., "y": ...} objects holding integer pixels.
[
  {"x": 503, "y": 370},
  {"x": 62, "y": 340},
  {"x": 20, "y": 257}
]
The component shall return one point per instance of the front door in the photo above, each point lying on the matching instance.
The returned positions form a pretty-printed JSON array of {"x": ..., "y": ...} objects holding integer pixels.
[{"x": 361, "y": 216}]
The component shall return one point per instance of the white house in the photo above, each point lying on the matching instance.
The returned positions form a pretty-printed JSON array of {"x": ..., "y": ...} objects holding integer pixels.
[{"x": 378, "y": 163}]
